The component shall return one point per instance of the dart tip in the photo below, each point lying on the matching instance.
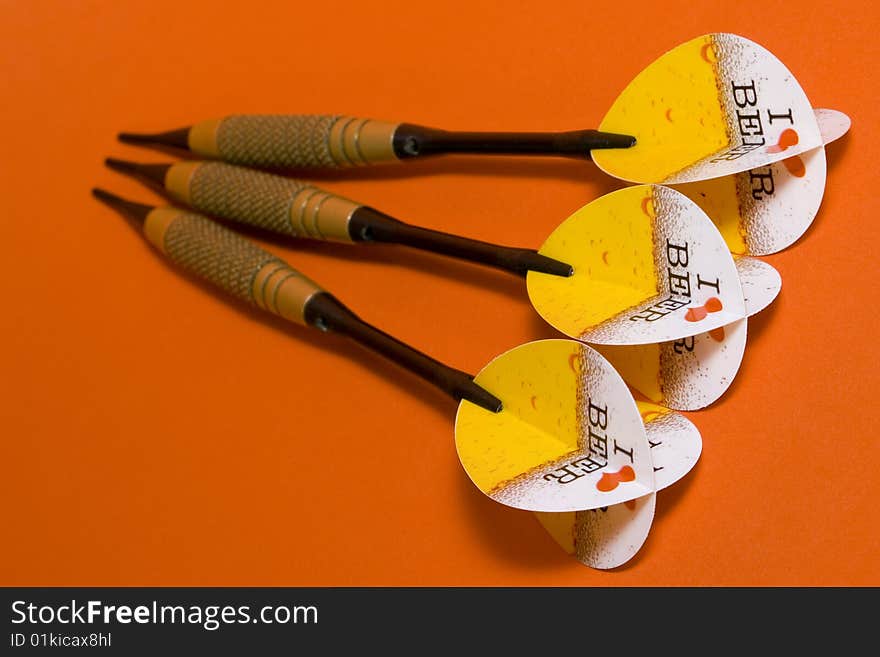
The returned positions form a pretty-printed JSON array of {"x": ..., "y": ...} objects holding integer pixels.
[
  {"x": 579, "y": 143},
  {"x": 120, "y": 166},
  {"x": 154, "y": 174},
  {"x": 543, "y": 264},
  {"x": 480, "y": 396},
  {"x": 132, "y": 138},
  {"x": 103, "y": 195},
  {"x": 612, "y": 140},
  {"x": 134, "y": 211},
  {"x": 522, "y": 261},
  {"x": 175, "y": 138}
]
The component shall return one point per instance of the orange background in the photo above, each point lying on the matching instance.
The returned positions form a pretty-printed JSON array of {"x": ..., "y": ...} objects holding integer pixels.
[{"x": 154, "y": 434}]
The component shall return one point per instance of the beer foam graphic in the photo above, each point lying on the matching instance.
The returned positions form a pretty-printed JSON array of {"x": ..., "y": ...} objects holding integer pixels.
[
  {"x": 767, "y": 209},
  {"x": 698, "y": 370},
  {"x": 649, "y": 266},
  {"x": 609, "y": 537},
  {"x": 693, "y": 372},
  {"x": 603, "y": 538},
  {"x": 713, "y": 106}
]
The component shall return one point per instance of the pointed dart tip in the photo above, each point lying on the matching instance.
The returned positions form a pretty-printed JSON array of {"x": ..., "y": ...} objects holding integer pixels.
[
  {"x": 175, "y": 138},
  {"x": 136, "y": 212},
  {"x": 102, "y": 194},
  {"x": 154, "y": 174},
  {"x": 546, "y": 265},
  {"x": 123, "y": 166},
  {"x": 478, "y": 395},
  {"x": 530, "y": 260},
  {"x": 132, "y": 138},
  {"x": 612, "y": 140}
]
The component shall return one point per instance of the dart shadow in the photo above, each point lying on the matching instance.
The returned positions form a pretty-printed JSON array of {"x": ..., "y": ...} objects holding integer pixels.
[
  {"x": 517, "y": 537},
  {"x": 406, "y": 382},
  {"x": 644, "y": 552},
  {"x": 541, "y": 330},
  {"x": 543, "y": 168},
  {"x": 670, "y": 496},
  {"x": 499, "y": 281},
  {"x": 836, "y": 150},
  {"x": 512, "y": 535},
  {"x": 835, "y": 153},
  {"x": 171, "y": 151},
  {"x": 757, "y": 325},
  {"x": 400, "y": 257},
  {"x": 667, "y": 499},
  {"x": 509, "y": 166}
]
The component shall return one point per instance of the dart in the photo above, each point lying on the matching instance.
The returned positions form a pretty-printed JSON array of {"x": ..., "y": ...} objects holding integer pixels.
[
  {"x": 299, "y": 209},
  {"x": 713, "y": 106},
  {"x": 317, "y": 142},
  {"x": 538, "y": 428},
  {"x": 601, "y": 273}
]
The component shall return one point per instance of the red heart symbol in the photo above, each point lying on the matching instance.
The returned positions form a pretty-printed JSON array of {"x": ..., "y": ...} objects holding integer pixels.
[
  {"x": 789, "y": 137},
  {"x": 795, "y": 166},
  {"x": 695, "y": 314},
  {"x": 610, "y": 480}
]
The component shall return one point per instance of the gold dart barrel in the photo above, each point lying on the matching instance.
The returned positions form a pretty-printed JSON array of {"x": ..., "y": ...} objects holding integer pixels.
[{"x": 283, "y": 141}]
